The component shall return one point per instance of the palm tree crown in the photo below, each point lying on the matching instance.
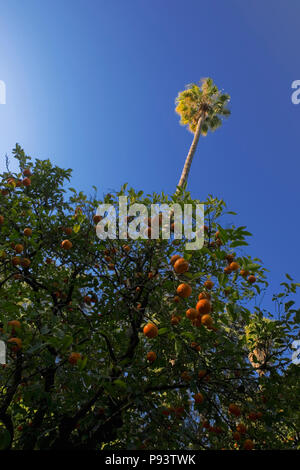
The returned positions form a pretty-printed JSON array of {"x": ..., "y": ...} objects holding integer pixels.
[{"x": 197, "y": 100}]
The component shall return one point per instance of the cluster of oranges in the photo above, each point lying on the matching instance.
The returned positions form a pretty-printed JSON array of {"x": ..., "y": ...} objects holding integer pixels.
[{"x": 233, "y": 266}]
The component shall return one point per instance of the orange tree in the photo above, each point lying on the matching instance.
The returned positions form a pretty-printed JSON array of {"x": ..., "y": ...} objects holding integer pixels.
[{"x": 123, "y": 344}]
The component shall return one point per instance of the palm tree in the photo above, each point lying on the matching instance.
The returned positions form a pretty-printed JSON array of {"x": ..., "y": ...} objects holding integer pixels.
[{"x": 201, "y": 107}]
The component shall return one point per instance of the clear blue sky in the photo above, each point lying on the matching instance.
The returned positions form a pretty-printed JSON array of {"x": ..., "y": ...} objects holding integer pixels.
[{"x": 91, "y": 84}]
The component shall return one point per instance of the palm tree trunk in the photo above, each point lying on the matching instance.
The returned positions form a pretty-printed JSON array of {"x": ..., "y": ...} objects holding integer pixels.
[{"x": 189, "y": 158}]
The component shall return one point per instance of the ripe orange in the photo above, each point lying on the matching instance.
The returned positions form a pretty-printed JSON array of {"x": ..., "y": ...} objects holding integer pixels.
[
  {"x": 176, "y": 299},
  {"x": 27, "y": 172},
  {"x": 27, "y": 232},
  {"x": 234, "y": 409},
  {"x": 74, "y": 357},
  {"x": 251, "y": 279},
  {"x": 186, "y": 376},
  {"x": 150, "y": 275},
  {"x": 67, "y": 230},
  {"x": 16, "y": 260},
  {"x": 227, "y": 270},
  {"x": 191, "y": 313},
  {"x": 181, "y": 266},
  {"x": 252, "y": 416},
  {"x": 248, "y": 444},
  {"x": 241, "y": 428},
  {"x": 198, "y": 397},
  {"x": 202, "y": 373},
  {"x": 150, "y": 330},
  {"x": 234, "y": 266},
  {"x": 184, "y": 290},
  {"x": 204, "y": 295},
  {"x": 174, "y": 258},
  {"x": 17, "y": 342},
  {"x": 19, "y": 248},
  {"x": 66, "y": 244},
  {"x": 209, "y": 284},
  {"x": 195, "y": 346},
  {"x": 230, "y": 258},
  {"x": 126, "y": 248},
  {"x": 25, "y": 262},
  {"x": 14, "y": 323},
  {"x": 236, "y": 436},
  {"x": 244, "y": 273},
  {"x": 203, "y": 306},
  {"x": 151, "y": 356},
  {"x": 207, "y": 320},
  {"x": 97, "y": 219},
  {"x": 175, "y": 319},
  {"x": 197, "y": 321},
  {"x": 26, "y": 181},
  {"x": 1, "y": 219}
]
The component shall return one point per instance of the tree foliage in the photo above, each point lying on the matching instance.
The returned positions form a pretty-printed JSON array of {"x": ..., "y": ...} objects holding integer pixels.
[{"x": 77, "y": 373}]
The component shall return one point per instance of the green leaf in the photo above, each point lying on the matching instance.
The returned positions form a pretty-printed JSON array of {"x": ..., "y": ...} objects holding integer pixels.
[{"x": 163, "y": 331}]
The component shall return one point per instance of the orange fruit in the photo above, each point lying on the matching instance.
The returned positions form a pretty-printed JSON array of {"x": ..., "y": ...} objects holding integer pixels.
[
  {"x": 1, "y": 219},
  {"x": 185, "y": 376},
  {"x": 234, "y": 266},
  {"x": 184, "y": 290},
  {"x": 252, "y": 416},
  {"x": 27, "y": 172},
  {"x": 150, "y": 275},
  {"x": 97, "y": 219},
  {"x": 19, "y": 248},
  {"x": 67, "y": 230},
  {"x": 198, "y": 397},
  {"x": 207, "y": 320},
  {"x": 181, "y": 266},
  {"x": 16, "y": 260},
  {"x": 175, "y": 319},
  {"x": 202, "y": 373},
  {"x": 17, "y": 342},
  {"x": 236, "y": 436},
  {"x": 244, "y": 273},
  {"x": 66, "y": 244},
  {"x": 204, "y": 295},
  {"x": 14, "y": 323},
  {"x": 26, "y": 181},
  {"x": 191, "y": 313},
  {"x": 227, "y": 270},
  {"x": 241, "y": 428},
  {"x": 151, "y": 356},
  {"x": 150, "y": 330},
  {"x": 176, "y": 299},
  {"x": 197, "y": 321},
  {"x": 126, "y": 248},
  {"x": 27, "y": 232},
  {"x": 74, "y": 357},
  {"x": 248, "y": 444},
  {"x": 25, "y": 262},
  {"x": 230, "y": 258},
  {"x": 203, "y": 306},
  {"x": 251, "y": 279},
  {"x": 234, "y": 409},
  {"x": 174, "y": 258},
  {"x": 208, "y": 284}
]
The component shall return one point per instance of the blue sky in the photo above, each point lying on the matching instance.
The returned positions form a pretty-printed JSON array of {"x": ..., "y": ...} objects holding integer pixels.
[{"x": 91, "y": 84}]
